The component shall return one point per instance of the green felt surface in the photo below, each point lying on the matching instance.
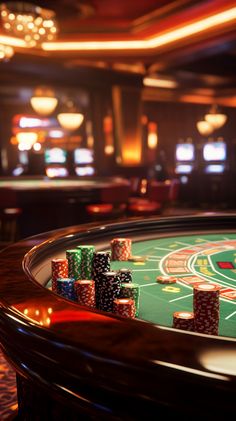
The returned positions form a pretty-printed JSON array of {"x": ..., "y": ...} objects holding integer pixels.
[
  {"x": 200, "y": 255},
  {"x": 189, "y": 258}
]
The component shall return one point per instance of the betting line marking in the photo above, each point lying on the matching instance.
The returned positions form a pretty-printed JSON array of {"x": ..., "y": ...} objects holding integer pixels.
[
  {"x": 207, "y": 277},
  {"x": 154, "y": 256},
  {"x": 230, "y": 315},
  {"x": 180, "y": 298},
  {"x": 161, "y": 248},
  {"x": 146, "y": 285},
  {"x": 183, "y": 244}
]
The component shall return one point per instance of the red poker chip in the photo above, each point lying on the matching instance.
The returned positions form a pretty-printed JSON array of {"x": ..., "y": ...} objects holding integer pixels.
[
  {"x": 166, "y": 279},
  {"x": 124, "y": 307}
]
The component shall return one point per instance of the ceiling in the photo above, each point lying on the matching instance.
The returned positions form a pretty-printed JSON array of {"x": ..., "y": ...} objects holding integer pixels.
[{"x": 202, "y": 65}]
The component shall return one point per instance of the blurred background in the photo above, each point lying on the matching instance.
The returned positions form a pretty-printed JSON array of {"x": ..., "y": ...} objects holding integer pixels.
[{"x": 93, "y": 92}]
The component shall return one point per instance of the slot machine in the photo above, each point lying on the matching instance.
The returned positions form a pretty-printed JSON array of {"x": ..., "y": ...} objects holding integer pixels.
[
  {"x": 84, "y": 162},
  {"x": 214, "y": 168},
  {"x": 185, "y": 164},
  {"x": 214, "y": 156},
  {"x": 22, "y": 166},
  {"x": 56, "y": 162}
]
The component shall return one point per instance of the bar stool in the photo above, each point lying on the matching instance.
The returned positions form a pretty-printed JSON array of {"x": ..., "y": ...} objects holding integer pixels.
[{"x": 9, "y": 213}]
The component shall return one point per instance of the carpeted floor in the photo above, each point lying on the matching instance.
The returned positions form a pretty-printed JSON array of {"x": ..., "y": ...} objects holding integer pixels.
[{"x": 8, "y": 394}]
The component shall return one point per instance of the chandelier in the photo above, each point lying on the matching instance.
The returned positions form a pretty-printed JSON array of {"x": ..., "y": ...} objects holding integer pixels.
[
  {"x": 215, "y": 118},
  {"x": 28, "y": 21},
  {"x": 204, "y": 127},
  {"x": 6, "y": 52},
  {"x": 70, "y": 118},
  {"x": 44, "y": 101}
]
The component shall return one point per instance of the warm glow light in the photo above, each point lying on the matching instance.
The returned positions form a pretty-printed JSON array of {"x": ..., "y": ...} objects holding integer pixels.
[
  {"x": 186, "y": 31},
  {"x": 216, "y": 120},
  {"x": 152, "y": 140},
  {"x": 159, "y": 83},
  {"x": 6, "y": 52},
  {"x": 204, "y": 128},
  {"x": 43, "y": 105},
  {"x": 26, "y": 140},
  {"x": 13, "y": 42},
  {"x": 70, "y": 121},
  {"x": 219, "y": 361},
  {"x": 28, "y": 21},
  {"x": 37, "y": 146},
  {"x": 131, "y": 156},
  {"x": 109, "y": 149}
]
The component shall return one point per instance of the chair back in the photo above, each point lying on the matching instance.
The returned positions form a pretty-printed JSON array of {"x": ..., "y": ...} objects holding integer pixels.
[
  {"x": 115, "y": 194},
  {"x": 174, "y": 189},
  {"x": 159, "y": 191}
]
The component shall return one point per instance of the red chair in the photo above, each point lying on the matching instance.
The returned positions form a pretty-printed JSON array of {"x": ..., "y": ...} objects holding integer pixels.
[
  {"x": 112, "y": 204},
  {"x": 159, "y": 191}
]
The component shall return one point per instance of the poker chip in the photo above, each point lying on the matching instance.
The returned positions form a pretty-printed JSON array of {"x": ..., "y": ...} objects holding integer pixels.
[
  {"x": 166, "y": 279},
  {"x": 124, "y": 307},
  {"x": 121, "y": 248},
  {"x": 131, "y": 290},
  {"x": 59, "y": 269},
  {"x": 110, "y": 290},
  {"x": 74, "y": 263},
  {"x": 206, "y": 306},
  {"x": 183, "y": 320},
  {"x": 85, "y": 292},
  {"x": 87, "y": 252},
  {"x": 65, "y": 288},
  {"x": 125, "y": 275},
  {"x": 101, "y": 264}
]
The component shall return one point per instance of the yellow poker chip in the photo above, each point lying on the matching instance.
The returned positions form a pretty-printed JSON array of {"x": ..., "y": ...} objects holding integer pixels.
[
  {"x": 166, "y": 279},
  {"x": 137, "y": 259}
]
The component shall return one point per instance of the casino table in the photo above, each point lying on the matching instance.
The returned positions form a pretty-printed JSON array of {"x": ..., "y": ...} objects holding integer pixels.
[
  {"x": 73, "y": 362},
  {"x": 49, "y": 203}
]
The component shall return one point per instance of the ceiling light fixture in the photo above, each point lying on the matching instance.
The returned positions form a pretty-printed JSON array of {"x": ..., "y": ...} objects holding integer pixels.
[
  {"x": 204, "y": 128},
  {"x": 6, "y": 52},
  {"x": 157, "y": 41},
  {"x": 215, "y": 118},
  {"x": 44, "y": 101},
  {"x": 159, "y": 83},
  {"x": 28, "y": 21},
  {"x": 70, "y": 119}
]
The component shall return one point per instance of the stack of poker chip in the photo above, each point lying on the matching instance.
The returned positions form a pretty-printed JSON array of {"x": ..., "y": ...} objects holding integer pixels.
[
  {"x": 86, "y": 260},
  {"x": 131, "y": 290},
  {"x": 124, "y": 307},
  {"x": 125, "y": 275},
  {"x": 110, "y": 290},
  {"x": 65, "y": 288},
  {"x": 206, "y": 306},
  {"x": 85, "y": 292},
  {"x": 183, "y": 320},
  {"x": 59, "y": 269},
  {"x": 74, "y": 263},
  {"x": 101, "y": 264},
  {"x": 165, "y": 280},
  {"x": 121, "y": 248}
]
